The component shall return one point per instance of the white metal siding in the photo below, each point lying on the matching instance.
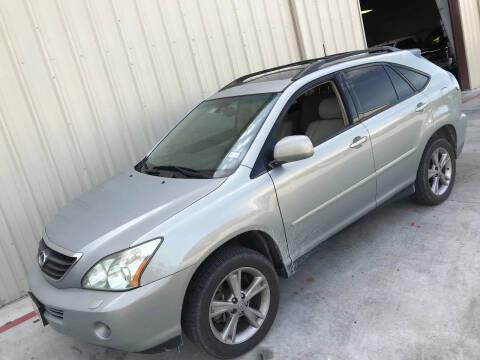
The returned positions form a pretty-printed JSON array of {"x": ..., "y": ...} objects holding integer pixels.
[
  {"x": 328, "y": 27},
  {"x": 470, "y": 13},
  {"x": 86, "y": 88}
]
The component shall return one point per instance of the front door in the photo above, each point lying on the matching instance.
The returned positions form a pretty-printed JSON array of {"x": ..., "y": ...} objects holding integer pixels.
[{"x": 320, "y": 195}]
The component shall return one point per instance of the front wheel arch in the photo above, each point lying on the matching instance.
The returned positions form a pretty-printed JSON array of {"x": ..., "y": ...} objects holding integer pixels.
[
  {"x": 204, "y": 281},
  {"x": 256, "y": 240}
]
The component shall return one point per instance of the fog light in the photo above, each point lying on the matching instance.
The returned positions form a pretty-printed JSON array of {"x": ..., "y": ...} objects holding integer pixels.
[{"x": 102, "y": 330}]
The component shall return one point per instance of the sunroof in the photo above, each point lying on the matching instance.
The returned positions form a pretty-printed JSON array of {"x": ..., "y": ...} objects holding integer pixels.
[{"x": 286, "y": 74}]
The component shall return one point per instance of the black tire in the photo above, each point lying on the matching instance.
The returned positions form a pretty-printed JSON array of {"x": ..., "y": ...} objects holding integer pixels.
[
  {"x": 423, "y": 192},
  {"x": 196, "y": 309}
]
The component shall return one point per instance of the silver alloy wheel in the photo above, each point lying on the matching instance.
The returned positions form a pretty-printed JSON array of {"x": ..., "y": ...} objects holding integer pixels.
[
  {"x": 440, "y": 171},
  {"x": 239, "y": 305}
]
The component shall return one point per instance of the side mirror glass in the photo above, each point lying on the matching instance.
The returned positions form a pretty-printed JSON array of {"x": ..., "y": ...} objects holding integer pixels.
[{"x": 293, "y": 148}]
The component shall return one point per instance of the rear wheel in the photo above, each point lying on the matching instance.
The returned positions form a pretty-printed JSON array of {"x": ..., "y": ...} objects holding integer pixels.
[
  {"x": 231, "y": 302},
  {"x": 436, "y": 173}
]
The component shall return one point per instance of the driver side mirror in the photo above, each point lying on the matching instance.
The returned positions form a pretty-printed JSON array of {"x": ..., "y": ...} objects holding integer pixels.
[{"x": 292, "y": 148}]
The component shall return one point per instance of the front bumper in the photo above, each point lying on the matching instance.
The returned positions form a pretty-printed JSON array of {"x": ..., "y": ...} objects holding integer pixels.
[{"x": 137, "y": 320}]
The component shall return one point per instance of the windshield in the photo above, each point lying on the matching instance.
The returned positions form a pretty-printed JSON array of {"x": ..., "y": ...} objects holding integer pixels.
[{"x": 212, "y": 140}]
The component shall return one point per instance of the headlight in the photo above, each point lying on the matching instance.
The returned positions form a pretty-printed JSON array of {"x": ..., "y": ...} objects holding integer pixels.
[{"x": 122, "y": 270}]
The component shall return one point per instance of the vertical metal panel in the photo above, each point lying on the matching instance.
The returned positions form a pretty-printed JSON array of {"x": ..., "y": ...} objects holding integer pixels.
[
  {"x": 329, "y": 26},
  {"x": 88, "y": 86},
  {"x": 445, "y": 16},
  {"x": 470, "y": 16}
]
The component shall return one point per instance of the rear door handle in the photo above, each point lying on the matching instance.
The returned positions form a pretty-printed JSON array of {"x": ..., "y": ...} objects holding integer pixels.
[
  {"x": 421, "y": 107},
  {"x": 358, "y": 141}
]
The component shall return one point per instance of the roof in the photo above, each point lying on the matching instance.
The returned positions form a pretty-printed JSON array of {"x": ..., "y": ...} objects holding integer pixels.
[{"x": 279, "y": 78}]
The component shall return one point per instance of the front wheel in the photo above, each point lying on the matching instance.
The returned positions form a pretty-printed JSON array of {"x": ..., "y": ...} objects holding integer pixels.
[
  {"x": 436, "y": 173},
  {"x": 231, "y": 302}
]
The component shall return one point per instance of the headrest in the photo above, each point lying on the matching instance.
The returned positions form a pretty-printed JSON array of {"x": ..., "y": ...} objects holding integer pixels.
[{"x": 329, "y": 109}]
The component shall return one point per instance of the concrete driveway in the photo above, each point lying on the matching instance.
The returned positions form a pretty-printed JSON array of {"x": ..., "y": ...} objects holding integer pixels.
[{"x": 402, "y": 283}]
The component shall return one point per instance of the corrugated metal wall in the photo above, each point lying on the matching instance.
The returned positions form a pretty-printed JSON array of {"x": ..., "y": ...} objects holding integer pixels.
[
  {"x": 470, "y": 13},
  {"x": 86, "y": 88},
  {"x": 329, "y": 26}
]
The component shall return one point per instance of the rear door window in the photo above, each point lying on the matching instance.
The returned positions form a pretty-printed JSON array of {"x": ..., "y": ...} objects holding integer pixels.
[
  {"x": 371, "y": 89},
  {"x": 416, "y": 79},
  {"x": 404, "y": 90}
]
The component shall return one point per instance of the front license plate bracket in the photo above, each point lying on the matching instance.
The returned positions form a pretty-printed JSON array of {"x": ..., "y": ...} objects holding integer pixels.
[{"x": 39, "y": 308}]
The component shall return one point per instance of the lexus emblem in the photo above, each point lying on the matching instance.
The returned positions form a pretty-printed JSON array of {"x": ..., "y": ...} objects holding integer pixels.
[{"x": 42, "y": 258}]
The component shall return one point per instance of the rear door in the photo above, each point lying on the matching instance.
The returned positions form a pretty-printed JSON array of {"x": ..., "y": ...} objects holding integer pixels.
[{"x": 393, "y": 110}]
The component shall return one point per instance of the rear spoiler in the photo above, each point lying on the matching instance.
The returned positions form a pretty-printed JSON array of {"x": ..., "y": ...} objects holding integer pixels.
[{"x": 416, "y": 52}]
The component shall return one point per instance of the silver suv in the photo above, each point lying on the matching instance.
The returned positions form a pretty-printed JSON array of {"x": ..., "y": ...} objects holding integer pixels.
[{"x": 195, "y": 237}]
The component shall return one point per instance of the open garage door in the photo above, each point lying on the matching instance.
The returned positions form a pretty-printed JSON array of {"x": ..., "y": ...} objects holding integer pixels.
[{"x": 412, "y": 24}]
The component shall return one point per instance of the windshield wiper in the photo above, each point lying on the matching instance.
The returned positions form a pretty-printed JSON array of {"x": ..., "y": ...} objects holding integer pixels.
[{"x": 187, "y": 172}]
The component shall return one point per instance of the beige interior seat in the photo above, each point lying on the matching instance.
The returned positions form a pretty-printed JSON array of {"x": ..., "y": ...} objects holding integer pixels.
[{"x": 330, "y": 120}]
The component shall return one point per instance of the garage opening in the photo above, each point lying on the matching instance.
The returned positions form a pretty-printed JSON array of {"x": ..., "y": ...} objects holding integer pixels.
[{"x": 408, "y": 24}]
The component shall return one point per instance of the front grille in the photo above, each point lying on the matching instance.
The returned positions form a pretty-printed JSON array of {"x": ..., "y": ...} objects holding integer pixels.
[
  {"x": 53, "y": 263},
  {"x": 54, "y": 312}
]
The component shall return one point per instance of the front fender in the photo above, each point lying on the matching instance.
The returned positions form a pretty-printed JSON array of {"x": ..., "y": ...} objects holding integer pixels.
[{"x": 239, "y": 205}]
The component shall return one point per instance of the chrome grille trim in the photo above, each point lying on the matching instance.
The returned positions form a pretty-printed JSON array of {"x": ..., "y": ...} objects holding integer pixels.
[
  {"x": 59, "y": 249},
  {"x": 56, "y": 261}
]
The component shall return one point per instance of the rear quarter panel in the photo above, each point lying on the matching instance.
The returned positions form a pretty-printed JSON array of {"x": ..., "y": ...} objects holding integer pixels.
[{"x": 444, "y": 99}]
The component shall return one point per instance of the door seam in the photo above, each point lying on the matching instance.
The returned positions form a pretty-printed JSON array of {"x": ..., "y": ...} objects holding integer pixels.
[
  {"x": 283, "y": 223},
  {"x": 374, "y": 163}
]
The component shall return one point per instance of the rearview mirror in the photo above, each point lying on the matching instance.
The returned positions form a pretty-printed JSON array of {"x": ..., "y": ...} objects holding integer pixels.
[{"x": 292, "y": 148}]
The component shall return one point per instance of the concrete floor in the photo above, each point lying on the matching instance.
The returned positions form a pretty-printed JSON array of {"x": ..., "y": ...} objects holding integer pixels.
[{"x": 381, "y": 289}]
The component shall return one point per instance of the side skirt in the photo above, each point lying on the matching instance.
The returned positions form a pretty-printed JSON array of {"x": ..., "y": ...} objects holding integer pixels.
[
  {"x": 402, "y": 194},
  {"x": 171, "y": 344}
]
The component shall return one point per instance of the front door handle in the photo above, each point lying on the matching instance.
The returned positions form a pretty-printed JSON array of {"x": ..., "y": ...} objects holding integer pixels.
[
  {"x": 421, "y": 107},
  {"x": 358, "y": 141}
]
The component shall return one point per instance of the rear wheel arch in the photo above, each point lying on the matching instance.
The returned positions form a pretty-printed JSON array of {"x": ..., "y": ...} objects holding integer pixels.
[
  {"x": 424, "y": 188},
  {"x": 448, "y": 133}
]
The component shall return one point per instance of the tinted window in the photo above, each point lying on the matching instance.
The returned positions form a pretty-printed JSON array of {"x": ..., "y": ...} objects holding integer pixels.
[
  {"x": 418, "y": 80},
  {"x": 371, "y": 88},
  {"x": 403, "y": 89}
]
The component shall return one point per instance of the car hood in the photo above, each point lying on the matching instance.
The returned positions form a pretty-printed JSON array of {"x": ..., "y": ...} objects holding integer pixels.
[{"x": 123, "y": 209}]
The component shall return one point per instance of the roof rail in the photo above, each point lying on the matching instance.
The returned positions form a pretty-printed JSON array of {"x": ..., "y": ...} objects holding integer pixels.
[
  {"x": 286, "y": 66},
  {"x": 315, "y": 64},
  {"x": 327, "y": 59}
]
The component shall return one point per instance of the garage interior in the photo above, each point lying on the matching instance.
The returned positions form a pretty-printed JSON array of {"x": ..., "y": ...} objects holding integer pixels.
[{"x": 409, "y": 24}]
